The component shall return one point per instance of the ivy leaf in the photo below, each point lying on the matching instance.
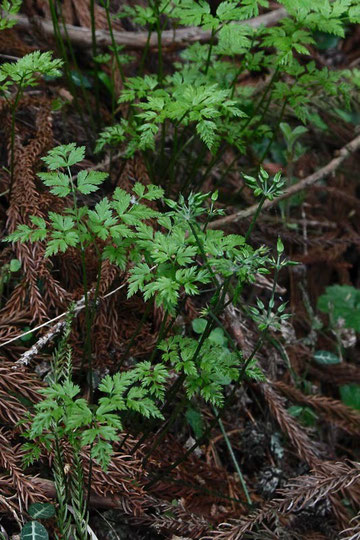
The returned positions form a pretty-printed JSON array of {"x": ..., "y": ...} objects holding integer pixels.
[
  {"x": 325, "y": 358},
  {"x": 41, "y": 510},
  {"x": 33, "y": 530},
  {"x": 350, "y": 395},
  {"x": 342, "y": 301}
]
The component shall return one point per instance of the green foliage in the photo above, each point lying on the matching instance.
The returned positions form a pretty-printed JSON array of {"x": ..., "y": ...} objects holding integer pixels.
[
  {"x": 25, "y": 71},
  {"x": 326, "y": 358},
  {"x": 201, "y": 102},
  {"x": 162, "y": 262},
  {"x": 8, "y": 10},
  {"x": 195, "y": 420},
  {"x": 342, "y": 302},
  {"x": 350, "y": 395},
  {"x": 199, "y": 325},
  {"x": 207, "y": 369},
  {"x": 64, "y": 415},
  {"x": 41, "y": 510},
  {"x": 264, "y": 186},
  {"x": 204, "y": 106},
  {"x": 293, "y": 148},
  {"x": 33, "y": 530},
  {"x": 303, "y": 413}
]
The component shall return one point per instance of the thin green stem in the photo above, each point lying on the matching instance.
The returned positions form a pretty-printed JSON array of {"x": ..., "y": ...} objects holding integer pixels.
[
  {"x": 255, "y": 217},
  {"x": 135, "y": 334},
  {"x": 211, "y": 45},
  {"x": 94, "y": 53},
  {"x": 162, "y": 334},
  {"x": 145, "y": 52},
  {"x": 203, "y": 254},
  {"x": 12, "y": 135},
  {"x": 233, "y": 457},
  {"x": 159, "y": 40},
  {"x": 106, "y": 5},
  {"x": 88, "y": 317},
  {"x": 274, "y": 133},
  {"x": 62, "y": 50},
  {"x": 164, "y": 430},
  {"x": 74, "y": 60}
]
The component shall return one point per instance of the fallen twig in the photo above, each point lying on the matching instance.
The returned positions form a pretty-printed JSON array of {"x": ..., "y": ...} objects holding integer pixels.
[
  {"x": 25, "y": 358},
  {"x": 345, "y": 151},
  {"x": 137, "y": 40}
]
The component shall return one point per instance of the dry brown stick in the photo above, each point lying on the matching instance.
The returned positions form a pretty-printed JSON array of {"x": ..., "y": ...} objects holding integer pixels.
[
  {"x": 331, "y": 167},
  {"x": 48, "y": 488},
  {"x": 137, "y": 40},
  {"x": 54, "y": 330}
]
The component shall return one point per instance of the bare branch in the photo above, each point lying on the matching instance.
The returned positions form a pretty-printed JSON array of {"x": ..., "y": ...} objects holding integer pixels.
[{"x": 137, "y": 40}]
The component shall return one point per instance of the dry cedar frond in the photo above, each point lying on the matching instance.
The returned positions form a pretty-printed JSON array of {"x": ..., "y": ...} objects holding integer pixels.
[
  {"x": 299, "y": 493},
  {"x": 25, "y": 200},
  {"x": 11, "y": 326},
  {"x": 11, "y": 410},
  {"x": 306, "y": 448},
  {"x": 329, "y": 477},
  {"x": 123, "y": 486},
  {"x": 320, "y": 254},
  {"x": 14, "y": 385},
  {"x": 7, "y": 504},
  {"x": 11, "y": 43},
  {"x": 343, "y": 373},
  {"x": 19, "y": 381},
  {"x": 175, "y": 519},
  {"x": 331, "y": 409},
  {"x": 353, "y": 532},
  {"x": 10, "y": 461}
]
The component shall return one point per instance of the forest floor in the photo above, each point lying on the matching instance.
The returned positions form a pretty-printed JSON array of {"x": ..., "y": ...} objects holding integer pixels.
[{"x": 302, "y": 423}]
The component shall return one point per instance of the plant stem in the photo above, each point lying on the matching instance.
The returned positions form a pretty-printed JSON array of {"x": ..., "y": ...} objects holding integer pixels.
[
  {"x": 211, "y": 45},
  {"x": 145, "y": 52},
  {"x": 94, "y": 53},
  {"x": 12, "y": 135},
  {"x": 159, "y": 32},
  {"x": 136, "y": 332},
  {"x": 60, "y": 44},
  {"x": 233, "y": 458},
  {"x": 255, "y": 217},
  {"x": 106, "y": 5},
  {"x": 88, "y": 317},
  {"x": 74, "y": 60},
  {"x": 274, "y": 133}
]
